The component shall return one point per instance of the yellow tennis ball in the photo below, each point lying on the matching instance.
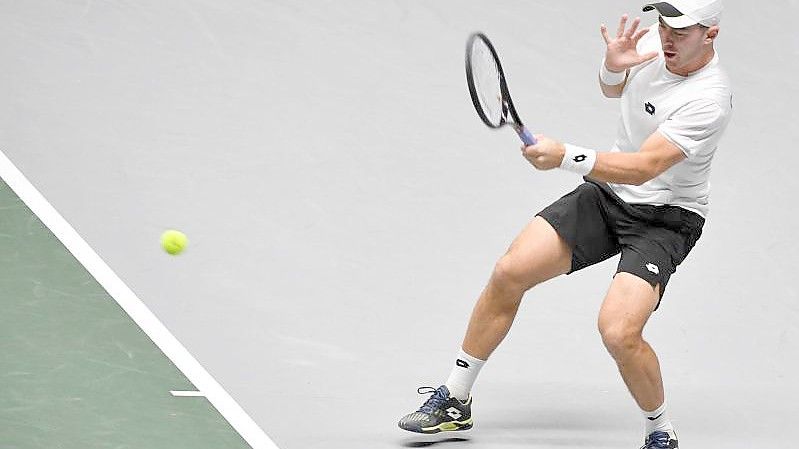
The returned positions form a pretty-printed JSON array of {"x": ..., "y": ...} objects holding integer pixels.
[{"x": 174, "y": 242}]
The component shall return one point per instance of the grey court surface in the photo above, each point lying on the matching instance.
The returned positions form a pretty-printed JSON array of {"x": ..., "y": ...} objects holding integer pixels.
[{"x": 345, "y": 206}]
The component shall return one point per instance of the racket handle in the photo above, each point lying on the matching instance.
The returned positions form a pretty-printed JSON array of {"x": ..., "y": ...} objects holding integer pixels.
[{"x": 526, "y": 136}]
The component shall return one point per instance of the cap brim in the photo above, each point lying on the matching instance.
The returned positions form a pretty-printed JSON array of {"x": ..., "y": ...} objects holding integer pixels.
[
  {"x": 671, "y": 15},
  {"x": 679, "y": 22}
]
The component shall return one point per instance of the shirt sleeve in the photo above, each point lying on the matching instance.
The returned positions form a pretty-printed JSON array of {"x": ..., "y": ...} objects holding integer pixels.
[{"x": 696, "y": 127}]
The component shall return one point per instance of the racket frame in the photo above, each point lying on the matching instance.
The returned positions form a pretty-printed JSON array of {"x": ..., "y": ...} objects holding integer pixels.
[{"x": 509, "y": 115}]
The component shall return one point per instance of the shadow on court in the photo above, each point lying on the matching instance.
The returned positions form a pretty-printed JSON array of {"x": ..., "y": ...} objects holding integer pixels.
[{"x": 431, "y": 441}]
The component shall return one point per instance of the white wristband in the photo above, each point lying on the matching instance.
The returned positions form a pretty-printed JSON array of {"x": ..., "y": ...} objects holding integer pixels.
[
  {"x": 578, "y": 160},
  {"x": 611, "y": 78}
]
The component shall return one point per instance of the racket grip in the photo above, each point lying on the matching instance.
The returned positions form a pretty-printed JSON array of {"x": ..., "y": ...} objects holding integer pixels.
[{"x": 526, "y": 136}]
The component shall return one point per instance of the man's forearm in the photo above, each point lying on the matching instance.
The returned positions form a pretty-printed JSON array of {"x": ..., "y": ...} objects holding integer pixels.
[
  {"x": 611, "y": 91},
  {"x": 622, "y": 168},
  {"x": 656, "y": 155},
  {"x": 611, "y": 83}
]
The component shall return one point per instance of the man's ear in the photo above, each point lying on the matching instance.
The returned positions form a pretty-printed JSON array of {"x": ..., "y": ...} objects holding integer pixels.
[{"x": 711, "y": 34}]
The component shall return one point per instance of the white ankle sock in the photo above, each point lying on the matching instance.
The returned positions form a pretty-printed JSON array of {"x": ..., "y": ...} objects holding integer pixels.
[
  {"x": 657, "y": 420},
  {"x": 463, "y": 375}
]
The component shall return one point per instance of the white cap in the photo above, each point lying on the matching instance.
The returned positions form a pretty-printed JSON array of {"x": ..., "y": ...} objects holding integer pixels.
[{"x": 684, "y": 13}]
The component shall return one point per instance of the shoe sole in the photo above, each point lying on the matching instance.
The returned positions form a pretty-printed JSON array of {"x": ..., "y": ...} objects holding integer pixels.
[{"x": 450, "y": 426}]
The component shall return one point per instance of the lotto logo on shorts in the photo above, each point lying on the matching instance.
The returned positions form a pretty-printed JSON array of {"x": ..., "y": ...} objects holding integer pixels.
[{"x": 653, "y": 268}]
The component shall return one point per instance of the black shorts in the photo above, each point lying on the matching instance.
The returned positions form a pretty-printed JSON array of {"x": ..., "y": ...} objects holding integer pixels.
[{"x": 597, "y": 225}]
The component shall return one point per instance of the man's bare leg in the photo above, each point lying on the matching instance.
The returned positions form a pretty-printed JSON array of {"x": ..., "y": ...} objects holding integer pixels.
[
  {"x": 538, "y": 254},
  {"x": 627, "y": 307}
]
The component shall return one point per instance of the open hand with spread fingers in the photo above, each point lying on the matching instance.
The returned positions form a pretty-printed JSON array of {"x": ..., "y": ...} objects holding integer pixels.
[{"x": 621, "y": 53}]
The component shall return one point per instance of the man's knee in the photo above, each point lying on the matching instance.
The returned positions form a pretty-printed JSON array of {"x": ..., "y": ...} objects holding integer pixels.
[
  {"x": 624, "y": 314},
  {"x": 620, "y": 339},
  {"x": 510, "y": 275},
  {"x": 536, "y": 255}
]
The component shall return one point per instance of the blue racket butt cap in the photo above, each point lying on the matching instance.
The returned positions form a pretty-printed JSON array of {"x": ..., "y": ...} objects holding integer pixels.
[{"x": 526, "y": 136}]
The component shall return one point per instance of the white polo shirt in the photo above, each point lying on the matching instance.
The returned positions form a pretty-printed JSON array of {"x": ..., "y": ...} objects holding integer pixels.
[{"x": 690, "y": 111}]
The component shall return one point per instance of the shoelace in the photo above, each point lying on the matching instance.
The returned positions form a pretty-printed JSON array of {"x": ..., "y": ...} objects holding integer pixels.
[
  {"x": 435, "y": 401},
  {"x": 657, "y": 440}
]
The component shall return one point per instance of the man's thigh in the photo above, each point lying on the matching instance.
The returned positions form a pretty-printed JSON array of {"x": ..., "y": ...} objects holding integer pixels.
[
  {"x": 628, "y": 304},
  {"x": 537, "y": 254}
]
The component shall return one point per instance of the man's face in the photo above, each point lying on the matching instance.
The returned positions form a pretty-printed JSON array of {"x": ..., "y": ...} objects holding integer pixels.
[{"x": 684, "y": 48}]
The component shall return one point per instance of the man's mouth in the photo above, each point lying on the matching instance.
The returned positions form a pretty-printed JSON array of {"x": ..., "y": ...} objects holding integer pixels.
[{"x": 669, "y": 54}]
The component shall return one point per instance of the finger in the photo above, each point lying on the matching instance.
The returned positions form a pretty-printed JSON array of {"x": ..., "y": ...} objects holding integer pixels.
[
  {"x": 640, "y": 34},
  {"x": 649, "y": 56},
  {"x": 604, "y": 30},
  {"x": 633, "y": 27},
  {"x": 525, "y": 154},
  {"x": 531, "y": 153},
  {"x": 622, "y": 25}
]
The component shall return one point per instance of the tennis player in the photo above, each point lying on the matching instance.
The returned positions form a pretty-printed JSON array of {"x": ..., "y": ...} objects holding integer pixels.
[{"x": 646, "y": 198}]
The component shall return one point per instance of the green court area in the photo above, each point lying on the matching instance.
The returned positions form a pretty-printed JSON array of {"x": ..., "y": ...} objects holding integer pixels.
[{"x": 76, "y": 371}]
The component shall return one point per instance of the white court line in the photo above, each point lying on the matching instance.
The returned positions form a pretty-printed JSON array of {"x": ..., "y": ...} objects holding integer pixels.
[
  {"x": 187, "y": 394},
  {"x": 128, "y": 300}
]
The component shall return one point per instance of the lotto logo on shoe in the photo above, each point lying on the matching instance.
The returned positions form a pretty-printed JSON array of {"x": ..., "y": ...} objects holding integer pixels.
[
  {"x": 653, "y": 268},
  {"x": 454, "y": 413}
]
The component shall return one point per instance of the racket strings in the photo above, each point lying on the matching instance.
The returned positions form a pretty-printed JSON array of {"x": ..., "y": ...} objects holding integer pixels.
[{"x": 487, "y": 83}]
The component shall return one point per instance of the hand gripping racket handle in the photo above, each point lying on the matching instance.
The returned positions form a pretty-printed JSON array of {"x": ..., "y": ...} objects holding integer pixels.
[{"x": 526, "y": 136}]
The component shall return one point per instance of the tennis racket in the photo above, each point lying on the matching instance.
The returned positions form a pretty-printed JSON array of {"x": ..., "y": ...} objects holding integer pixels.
[{"x": 488, "y": 88}]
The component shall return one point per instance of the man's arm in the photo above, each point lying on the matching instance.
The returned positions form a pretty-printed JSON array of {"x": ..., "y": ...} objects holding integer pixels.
[
  {"x": 611, "y": 91},
  {"x": 657, "y": 154}
]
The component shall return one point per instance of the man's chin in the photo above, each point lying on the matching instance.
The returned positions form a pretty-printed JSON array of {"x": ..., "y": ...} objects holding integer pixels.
[{"x": 673, "y": 66}]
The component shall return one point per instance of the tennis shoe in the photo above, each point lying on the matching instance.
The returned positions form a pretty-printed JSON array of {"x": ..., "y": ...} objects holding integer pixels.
[
  {"x": 440, "y": 413},
  {"x": 660, "y": 440}
]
